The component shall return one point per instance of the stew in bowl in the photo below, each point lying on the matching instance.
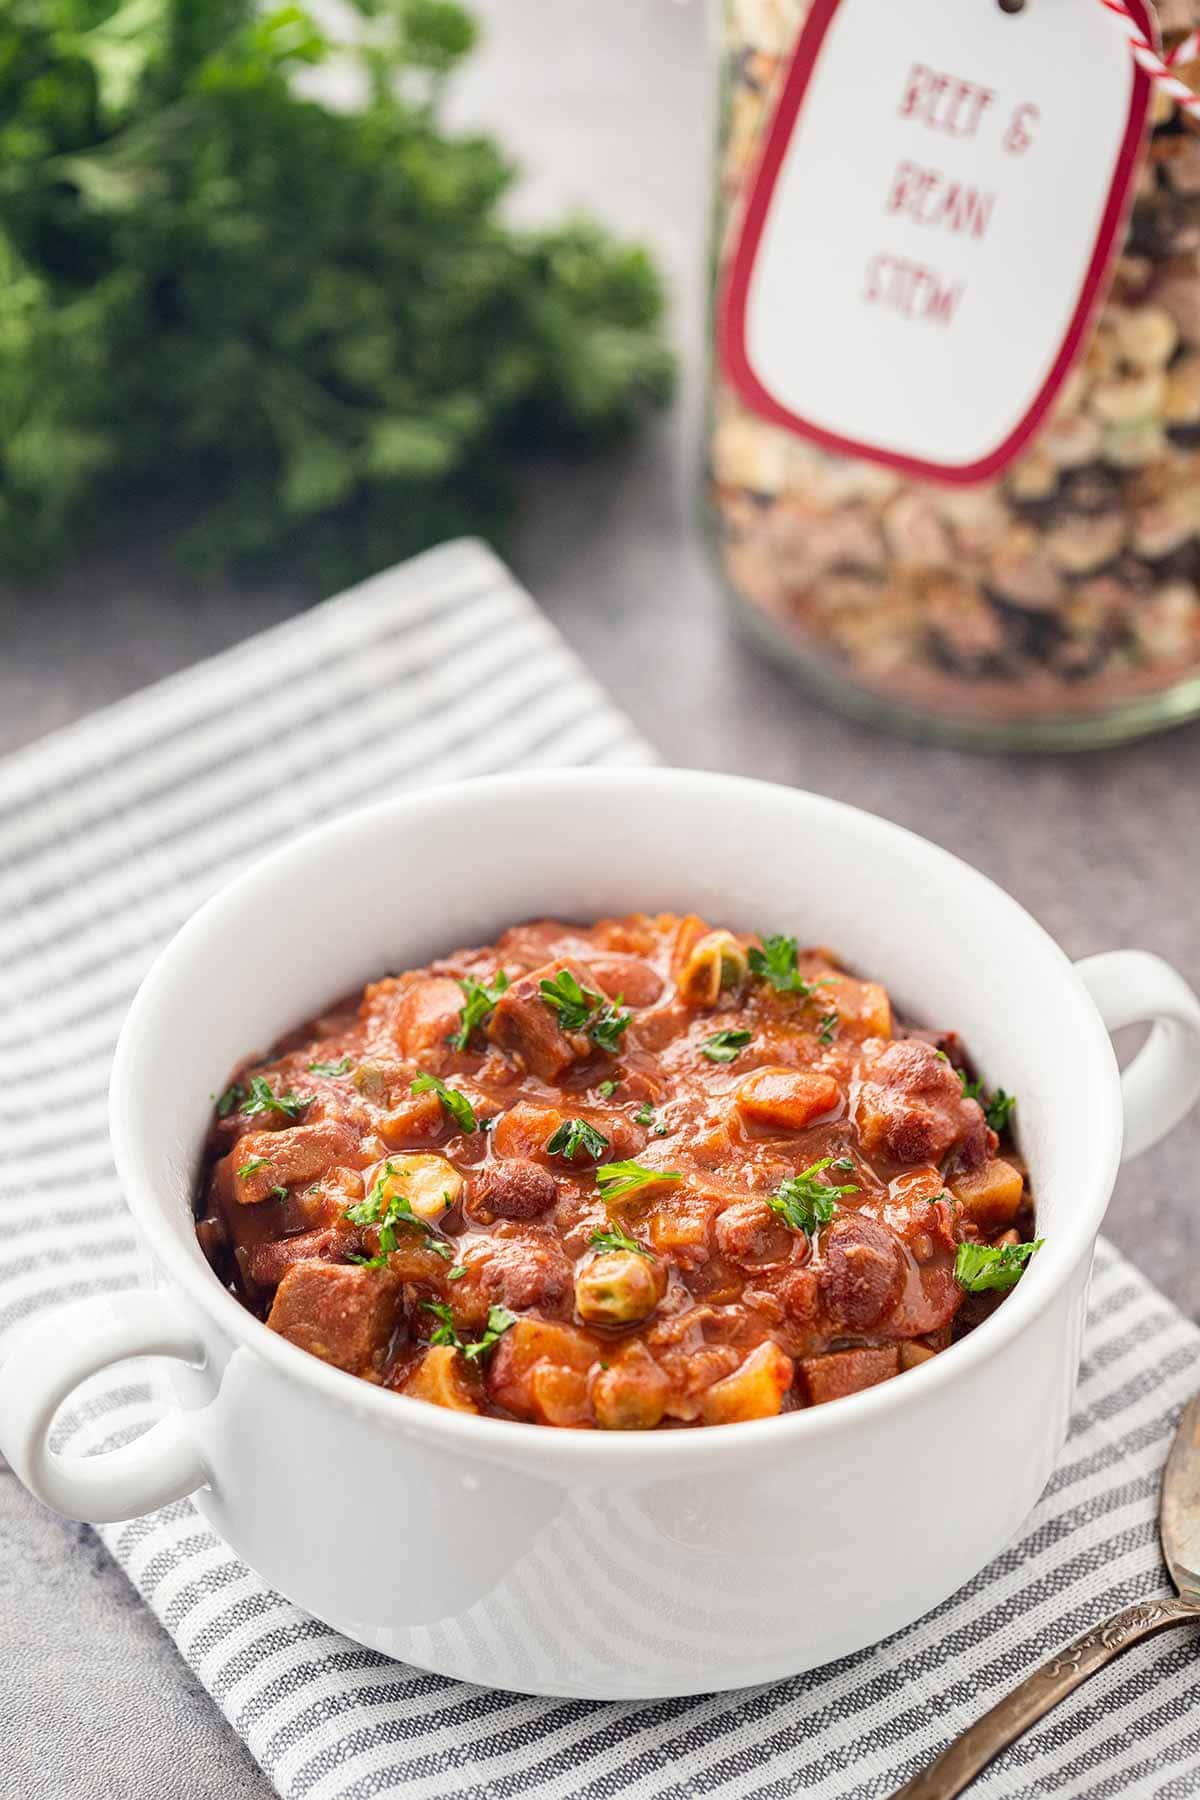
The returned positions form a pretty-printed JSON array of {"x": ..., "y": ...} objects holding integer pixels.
[{"x": 648, "y": 1173}]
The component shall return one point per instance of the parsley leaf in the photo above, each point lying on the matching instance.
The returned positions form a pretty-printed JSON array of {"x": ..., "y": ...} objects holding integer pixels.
[
  {"x": 805, "y": 1201},
  {"x": 455, "y": 1105},
  {"x": 608, "y": 1088},
  {"x": 616, "y": 1180},
  {"x": 776, "y": 963},
  {"x": 983, "y": 1267},
  {"x": 255, "y": 1162},
  {"x": 582, "y": 1009},
  {"x": 998, "y": 1110},
  {"x": 499, "y": 1320},
  {"x": 574, "y": 1135},
  {"x": 616, "y": 1239},
  {"x": 724, "y": 1046},
  {"x": 387, "y": 1210},
  {"x": 232, "y": 1098},
  {"x": 330, "y": 1068},
  {"x": 828, "y": 1026},
  {"x": 477, "y": 1007},
  {"x": 971, "y": 1090},
  {"x": 263, "y": 1099}
]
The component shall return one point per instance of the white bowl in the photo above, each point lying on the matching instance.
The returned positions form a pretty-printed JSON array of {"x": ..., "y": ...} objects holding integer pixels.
[{"x": 584, "y": 1563}]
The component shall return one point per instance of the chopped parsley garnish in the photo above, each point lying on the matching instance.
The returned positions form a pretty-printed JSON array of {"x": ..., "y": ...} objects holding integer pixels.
[
  {"x": 998, "y": 1110},
  {"x": 805, "y": 1201},
  {"x": 330, "y": 1068},
  {"x": 645, "y": 1115},
  {"x": 616, "y": 1180},
  {"x": 264, "y": 1099},
  {"x": 607, "y": 1089},
  {"x": 828, "y": 1026},
  {"x": 499, "y": 1320},
  {"x": 981, "y": 1268},
  {"x": 724, "y": 1046},
  {"x": 582, "y": 1009},
  {"x": 387, "y": 1211},
  {"x": 776, "y": 963},
  {"x": 932, "y": 1199},
  {"x": 278, "y": 1192},
  {"x": 844, "y": 1162},
  {"x": 457, "y": 1272},
  {"x": 456, "y": 1106},
  {"x": 255, "y": 1162},
  {"x": 997, "y": 1107},
  {"x": 574, "y": 1135},
  {"x": 477, "y": 1007},
  {"x": 616, "y": 1239},
  {"x": 233, "y": 1096}
]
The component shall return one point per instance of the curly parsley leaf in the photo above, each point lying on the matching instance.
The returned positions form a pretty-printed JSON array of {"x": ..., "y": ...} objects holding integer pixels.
[
  {"x": 575, "y": 1135},
  {"x": 999, "y": 1109},
  {"x": 725, "y": 1046},
  {"x": 827, "y": 1027},
  {"x": 255, "y": 1162},
  {"x": 616, "y": 1239},
  {"x": 263, "y": 1099},
  {"x": 386, "y": 1207},
  {"x": 478, "y": 1006},
  {"x": 982, "y": 1268},
  {"x": 805, "y": 1201},
  {"x": 231, "y": 1099},
  {"x": 776, "y": 963},
  {"x": 582, "y": 1009},
  {"x": 330, "y": 1068},
  {"x": 455, "y": 1105},
  {"x": 499, "y": 1320},
  {"x": 617, "y": 1180}
]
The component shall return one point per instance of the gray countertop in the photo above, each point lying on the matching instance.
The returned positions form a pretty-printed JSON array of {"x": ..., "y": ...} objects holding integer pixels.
[{"x": 611, "y": 111}]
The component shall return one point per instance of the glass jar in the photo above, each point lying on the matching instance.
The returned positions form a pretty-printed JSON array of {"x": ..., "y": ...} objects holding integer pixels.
[{"x": 1054, "y": 606}]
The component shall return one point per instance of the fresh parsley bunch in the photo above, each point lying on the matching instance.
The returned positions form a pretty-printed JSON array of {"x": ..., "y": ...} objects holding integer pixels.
[{"x": 307, "y": 327}]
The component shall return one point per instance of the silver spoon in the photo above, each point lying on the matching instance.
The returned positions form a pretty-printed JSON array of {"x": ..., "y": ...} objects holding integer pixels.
[{"x": 1179, "y": 1527}]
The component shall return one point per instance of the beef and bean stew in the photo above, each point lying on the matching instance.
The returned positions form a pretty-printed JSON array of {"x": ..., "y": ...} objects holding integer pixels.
[{"x": 642, "y": 1173}]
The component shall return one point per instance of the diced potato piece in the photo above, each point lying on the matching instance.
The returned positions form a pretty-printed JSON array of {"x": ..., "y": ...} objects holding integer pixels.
[
  {"x": 559, "y": 1396},
  {"x": 527, "y": 1345},
  {"x": 717, "y": 961},
  {"x": 863, "y": 1007},
  {"x": 438, "y": 1378},
  {"x": 343, "y": 1313},
  {"x": 617, "y": 1287},
  {"x": 787, "y": 1098},
  {"x": 272, "y": 1159},
  {"x": 913, "y": 1355},
  {"x": 430, "y": 1183},
  {"x": 991, "y": 1196},
  {"x": 755, "y": 1391},
  {"x": 842, "y": 1372},
  {"x": 632, "y": 1394}
]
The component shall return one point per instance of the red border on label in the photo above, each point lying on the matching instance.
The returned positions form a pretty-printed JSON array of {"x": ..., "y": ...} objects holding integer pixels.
[{"x": 732, "y": 316}]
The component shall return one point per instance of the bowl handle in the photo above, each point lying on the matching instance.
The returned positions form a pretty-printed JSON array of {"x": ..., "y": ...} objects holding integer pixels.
[
  {"x": 1162, "y": 1083},
  {"x": 45, "y": 1364}
]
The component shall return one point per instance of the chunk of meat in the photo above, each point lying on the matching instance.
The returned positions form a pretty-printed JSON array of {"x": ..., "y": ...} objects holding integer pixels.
[
  {"x": 519, "y": 1266},
  {"x": 625, "y": 978},
  {"x": 511, "y": 1190},
  {"x": 632, "y": 1393},
  {"x": 843, "y": 1372},
  {"x": 266, "y": 1264},
  {"x": 787, "y": 1098},
  {"x": 862, "y": 1272},
  {"x": 750, "y": 1233},
  {"x": 755, "y": 1391},
  {"x": 909, "y": 1106},
  {"x": 525, "y": 1026},
  {"x": 344, "y": 1313},
  {"x": 265, "y": 1160}
]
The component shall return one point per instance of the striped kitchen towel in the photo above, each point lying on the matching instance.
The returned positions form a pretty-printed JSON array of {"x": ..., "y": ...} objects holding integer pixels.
[{"x": 111, "y": 833}]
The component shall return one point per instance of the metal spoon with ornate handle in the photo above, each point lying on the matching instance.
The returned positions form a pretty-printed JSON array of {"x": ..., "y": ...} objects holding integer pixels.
[{"x": 1179, "y": 1526}]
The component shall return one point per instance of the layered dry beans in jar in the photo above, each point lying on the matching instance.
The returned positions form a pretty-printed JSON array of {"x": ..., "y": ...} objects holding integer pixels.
[
  {"x": 645, "y": 1173},
  {"x": 1057, "y": 603}
]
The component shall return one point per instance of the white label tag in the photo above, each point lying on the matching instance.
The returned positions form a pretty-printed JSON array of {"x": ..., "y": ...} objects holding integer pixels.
[{"x": 927, "y": 234}]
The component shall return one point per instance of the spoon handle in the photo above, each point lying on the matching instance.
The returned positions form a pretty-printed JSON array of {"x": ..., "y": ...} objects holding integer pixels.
[{"x": 961, "y": 1761}]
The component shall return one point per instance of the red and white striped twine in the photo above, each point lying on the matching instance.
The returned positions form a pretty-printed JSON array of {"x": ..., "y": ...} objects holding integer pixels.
[{"x": 1160, "y": 69}]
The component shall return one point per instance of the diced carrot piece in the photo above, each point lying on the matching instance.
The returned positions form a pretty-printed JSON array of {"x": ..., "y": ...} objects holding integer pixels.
[
  {"x": 426, "y": 1015},
  {"x": 525, "y": 1130},
  {"x": 842, "y": 1372},
  {"x": 791, "y": 1098},
  {"x": 755, "y": 1391},
  {"x": 411, "y": 1121}
]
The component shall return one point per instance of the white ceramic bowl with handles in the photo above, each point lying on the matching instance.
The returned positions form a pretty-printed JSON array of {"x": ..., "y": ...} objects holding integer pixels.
[{"x": 584, "y": 1563}]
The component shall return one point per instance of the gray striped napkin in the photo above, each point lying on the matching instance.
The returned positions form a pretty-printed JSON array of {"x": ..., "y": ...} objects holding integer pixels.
[{"x": 111, "y": 833}]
